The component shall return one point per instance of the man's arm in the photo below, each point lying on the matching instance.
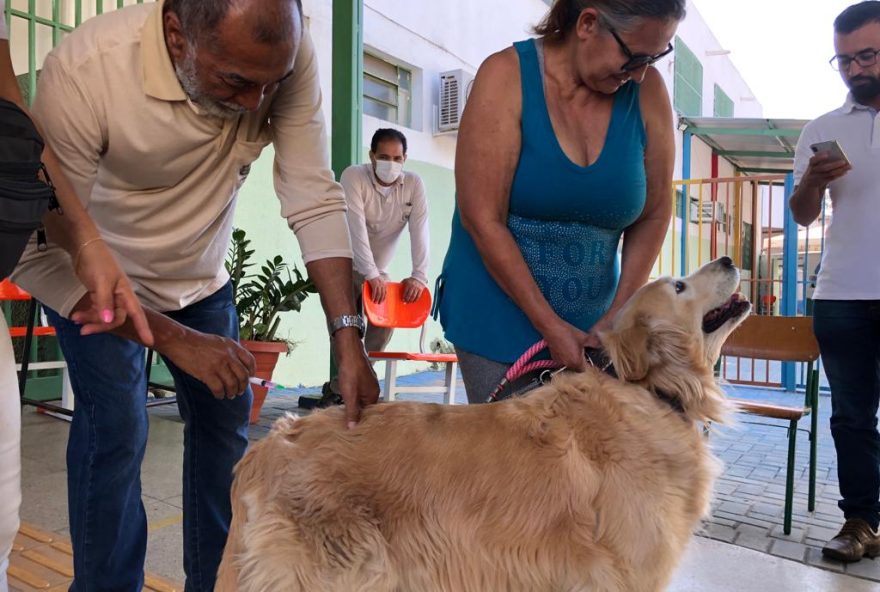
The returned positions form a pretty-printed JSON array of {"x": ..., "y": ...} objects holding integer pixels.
[
  {"x": 222, "y": 364},
  {"x": 419, "y": 233},
  {"x": 419, "y": 243},
  {"x": 314, "y": 206},
  {"x": 357, "y": 381},
  {"x": 812, "y": 174}
]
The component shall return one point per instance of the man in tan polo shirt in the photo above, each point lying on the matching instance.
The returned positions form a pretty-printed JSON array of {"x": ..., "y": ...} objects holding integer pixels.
[{"x": 157, "y": 112}]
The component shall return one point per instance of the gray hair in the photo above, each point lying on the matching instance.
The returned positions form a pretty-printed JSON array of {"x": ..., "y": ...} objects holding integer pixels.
[
  {"x": 622, "y": 15},
  {"x": 199, "y": 19}
]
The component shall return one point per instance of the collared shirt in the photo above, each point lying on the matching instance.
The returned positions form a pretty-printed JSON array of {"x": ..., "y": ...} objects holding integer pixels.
[
  {"x": 376, "y": 220},
  {"x": 4, "y": 34},
  {"x": 849, "y": 269},
  {"x": 159, "y": 179}
]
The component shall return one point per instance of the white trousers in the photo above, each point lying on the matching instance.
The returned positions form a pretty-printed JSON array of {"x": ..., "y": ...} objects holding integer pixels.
[{"x": 10, "y": 451}]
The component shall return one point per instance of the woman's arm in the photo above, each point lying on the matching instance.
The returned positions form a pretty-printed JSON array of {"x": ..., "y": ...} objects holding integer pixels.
[
  {"x": 489, "y": 142},
  {"x": 644, "y": 238},
  {"x": 93, "y": 262}
]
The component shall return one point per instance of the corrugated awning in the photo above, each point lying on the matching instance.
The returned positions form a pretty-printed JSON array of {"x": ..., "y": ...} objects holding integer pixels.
[{"x": 756, "y": 146}]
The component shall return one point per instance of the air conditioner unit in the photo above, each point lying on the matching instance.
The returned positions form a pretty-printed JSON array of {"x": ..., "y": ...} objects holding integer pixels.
[
  {"x": 707, "y": 213},
  {"x": 455, "y": 86}
]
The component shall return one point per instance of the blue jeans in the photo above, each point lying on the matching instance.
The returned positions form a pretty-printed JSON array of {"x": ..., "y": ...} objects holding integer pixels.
[
  {"x": 848, "y": 332},
  {"x": 108, "y": 436}
]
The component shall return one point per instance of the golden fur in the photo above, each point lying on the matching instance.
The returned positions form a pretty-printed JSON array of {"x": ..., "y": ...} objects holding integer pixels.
[{"x": 588, "y": 484}]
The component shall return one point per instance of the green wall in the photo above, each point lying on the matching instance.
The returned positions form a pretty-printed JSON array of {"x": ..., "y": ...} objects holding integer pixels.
[{"x": 258, "y": 213}]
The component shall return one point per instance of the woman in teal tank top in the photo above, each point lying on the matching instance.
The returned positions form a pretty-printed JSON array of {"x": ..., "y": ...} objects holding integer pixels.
[{"x": 565, "y": 148}]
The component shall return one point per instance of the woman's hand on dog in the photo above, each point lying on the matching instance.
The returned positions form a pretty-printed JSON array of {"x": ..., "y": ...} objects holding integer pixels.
[
  {"x": 603, "y": 324},
  {"x": 566, "y": 344}
]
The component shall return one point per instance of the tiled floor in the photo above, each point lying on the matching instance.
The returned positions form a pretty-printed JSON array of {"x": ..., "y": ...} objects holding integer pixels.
[{"x": 747, "y": 511}]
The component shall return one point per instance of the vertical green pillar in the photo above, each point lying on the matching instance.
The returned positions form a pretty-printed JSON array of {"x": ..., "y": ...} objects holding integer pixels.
[
  {"x": 347, "y": 108},
  {"x": 348, "y": 65}
]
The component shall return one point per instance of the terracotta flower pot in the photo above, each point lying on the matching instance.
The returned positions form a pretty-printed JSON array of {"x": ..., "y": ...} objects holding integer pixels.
[{"x": 266, "y": 354}]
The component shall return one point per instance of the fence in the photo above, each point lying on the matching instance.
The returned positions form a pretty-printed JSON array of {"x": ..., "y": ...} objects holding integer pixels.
[{"x": 747, "y": 219}]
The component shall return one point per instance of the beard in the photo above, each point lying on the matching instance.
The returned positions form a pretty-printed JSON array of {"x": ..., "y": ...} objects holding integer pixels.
[
  {"x": 187, "y": 75},
  {"x": 865, "y": 89}
]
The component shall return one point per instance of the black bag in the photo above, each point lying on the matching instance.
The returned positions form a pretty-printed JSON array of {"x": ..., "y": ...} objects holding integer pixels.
[{"x": 26, "y": 192}]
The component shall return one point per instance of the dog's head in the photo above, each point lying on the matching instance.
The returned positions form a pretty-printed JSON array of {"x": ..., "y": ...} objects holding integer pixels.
[{"x": 670, "y": 333}]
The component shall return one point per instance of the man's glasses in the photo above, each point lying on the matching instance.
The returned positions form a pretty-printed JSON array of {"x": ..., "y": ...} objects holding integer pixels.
[
  {"x": 865, "y": 58},
  {"x": 638, "y": 60}
]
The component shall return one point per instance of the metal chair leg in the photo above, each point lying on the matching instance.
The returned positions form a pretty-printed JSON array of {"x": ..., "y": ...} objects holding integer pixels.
[
  {"x": 814, "y": 438},
  {"x": 789, "y": 477},
  {"x": 26, "y": 355},
  {"x": 451, "y": 379},
  {"x": 390, "y": 380}
]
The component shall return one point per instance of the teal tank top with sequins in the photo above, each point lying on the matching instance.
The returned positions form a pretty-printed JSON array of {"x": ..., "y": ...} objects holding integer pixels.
[{"x": 566, "y": 219}]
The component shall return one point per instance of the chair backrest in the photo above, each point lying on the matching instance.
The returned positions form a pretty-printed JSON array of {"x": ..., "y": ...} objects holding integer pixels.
[
  {"x": 787, "y": 339},
  {"x": 393, "y": 311},
  {"x": 9, "y": 291}
]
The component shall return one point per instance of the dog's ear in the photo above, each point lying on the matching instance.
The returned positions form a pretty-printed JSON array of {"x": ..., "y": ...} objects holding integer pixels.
[
  {"x": 682, "y": 372},
  {"x": 626, "y": 343}
]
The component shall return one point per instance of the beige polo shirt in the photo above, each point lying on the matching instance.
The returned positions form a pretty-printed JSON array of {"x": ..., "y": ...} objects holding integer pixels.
[
  {"x": 377, "y": 216},
  {"x": 159, "y": 179}
]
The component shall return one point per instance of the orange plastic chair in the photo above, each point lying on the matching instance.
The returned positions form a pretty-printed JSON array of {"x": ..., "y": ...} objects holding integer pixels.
[
  {"x": 394, "y": 312},
  {"x": 11, "y": 292}
]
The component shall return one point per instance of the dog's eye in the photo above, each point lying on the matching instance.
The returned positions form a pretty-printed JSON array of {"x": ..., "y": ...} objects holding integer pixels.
[{"x": 679, "y": 287}]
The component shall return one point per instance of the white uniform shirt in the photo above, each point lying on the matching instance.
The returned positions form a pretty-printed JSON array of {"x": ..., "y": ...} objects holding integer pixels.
[
  {"x": 377, "y": 217},
  {"x": 850, "y": 269},
  {"x": 4, "y": 34}
]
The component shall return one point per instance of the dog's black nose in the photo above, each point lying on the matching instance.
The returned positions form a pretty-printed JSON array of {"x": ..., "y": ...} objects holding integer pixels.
[{"x": 726, "y": 261}]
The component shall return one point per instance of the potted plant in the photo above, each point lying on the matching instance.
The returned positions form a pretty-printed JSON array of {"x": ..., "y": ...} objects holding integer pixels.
[{"x": 260, "y": 298}]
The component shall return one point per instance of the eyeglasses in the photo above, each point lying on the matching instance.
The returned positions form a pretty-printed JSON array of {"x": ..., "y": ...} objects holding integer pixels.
[
  {"x": 865, "y": 58},
  {"x": 637, "y": 60}
]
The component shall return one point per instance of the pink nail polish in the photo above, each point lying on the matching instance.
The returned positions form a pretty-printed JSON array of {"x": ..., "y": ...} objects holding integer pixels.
[
  {"x": 107, "y": 315},
  {"x": 352, "y": 425}
]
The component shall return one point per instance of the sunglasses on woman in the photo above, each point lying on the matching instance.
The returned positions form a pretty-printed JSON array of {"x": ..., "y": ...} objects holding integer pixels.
[{"x": 637, "y": 60}]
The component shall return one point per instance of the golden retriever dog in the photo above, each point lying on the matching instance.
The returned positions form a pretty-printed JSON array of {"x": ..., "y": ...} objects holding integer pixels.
[{"x": 590, "y": 483}]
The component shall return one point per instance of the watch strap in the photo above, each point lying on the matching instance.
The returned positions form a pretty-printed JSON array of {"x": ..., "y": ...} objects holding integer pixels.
[{"x": 343, "y": 321}]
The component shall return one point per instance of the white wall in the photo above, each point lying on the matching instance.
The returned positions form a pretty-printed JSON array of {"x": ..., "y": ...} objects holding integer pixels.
[
  {"x": 429, "y": 37},
  {"x": 717, "y": 69}
]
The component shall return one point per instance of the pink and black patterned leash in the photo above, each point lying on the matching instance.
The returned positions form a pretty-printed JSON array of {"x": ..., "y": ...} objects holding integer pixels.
[{"x": 524, "y": 365}]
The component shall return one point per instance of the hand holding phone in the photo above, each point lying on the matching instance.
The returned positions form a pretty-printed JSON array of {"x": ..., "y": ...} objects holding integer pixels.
[
  {"x": 829, "y": 164},
  {"x": 832, "y": 148}
]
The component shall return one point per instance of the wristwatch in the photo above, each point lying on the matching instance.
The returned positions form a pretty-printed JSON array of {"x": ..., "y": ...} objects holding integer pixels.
[{"x": 343, "y": 321}]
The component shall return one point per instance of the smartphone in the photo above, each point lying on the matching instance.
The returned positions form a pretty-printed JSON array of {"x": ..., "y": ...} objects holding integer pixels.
[{"x": 833, "y": 149}]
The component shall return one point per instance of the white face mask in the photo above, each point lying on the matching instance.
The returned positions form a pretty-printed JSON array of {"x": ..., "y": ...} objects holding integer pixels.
[{"x": 388, "y": 171}]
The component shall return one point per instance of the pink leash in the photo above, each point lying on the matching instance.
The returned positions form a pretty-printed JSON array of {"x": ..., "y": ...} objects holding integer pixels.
[{"x": 523, "y": 366}]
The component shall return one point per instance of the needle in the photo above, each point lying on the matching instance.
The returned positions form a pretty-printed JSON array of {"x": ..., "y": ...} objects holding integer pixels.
[{"x": 266, "y": 383}]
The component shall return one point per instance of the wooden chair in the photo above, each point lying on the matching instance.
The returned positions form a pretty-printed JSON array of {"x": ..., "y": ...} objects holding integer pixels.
[
  {"x": 11, "y": 292},
  {"x": 785, "y": 339},
  {"x": 394, "y": 312}
]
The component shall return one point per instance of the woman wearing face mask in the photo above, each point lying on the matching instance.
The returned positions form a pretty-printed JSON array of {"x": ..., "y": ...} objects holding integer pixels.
[{"x": 549, "y": 179}]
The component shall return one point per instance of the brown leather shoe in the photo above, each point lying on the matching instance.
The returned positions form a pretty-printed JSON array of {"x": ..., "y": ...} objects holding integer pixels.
[{"x": 854, "y": 541}]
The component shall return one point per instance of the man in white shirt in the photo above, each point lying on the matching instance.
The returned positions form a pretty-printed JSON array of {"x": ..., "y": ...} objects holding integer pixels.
[
  {"x": 847, "y": 297},
  {"x": 382, "y": 200}
]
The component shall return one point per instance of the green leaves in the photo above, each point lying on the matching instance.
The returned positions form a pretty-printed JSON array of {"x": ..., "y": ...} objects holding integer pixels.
[{"x": 261, "y": 297}]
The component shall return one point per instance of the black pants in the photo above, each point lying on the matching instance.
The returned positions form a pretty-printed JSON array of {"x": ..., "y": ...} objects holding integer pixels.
[{"x": 848, "y": 332}]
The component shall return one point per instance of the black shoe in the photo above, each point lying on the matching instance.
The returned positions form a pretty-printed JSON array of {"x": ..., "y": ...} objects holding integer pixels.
[{"x": 328, "y": 397}]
